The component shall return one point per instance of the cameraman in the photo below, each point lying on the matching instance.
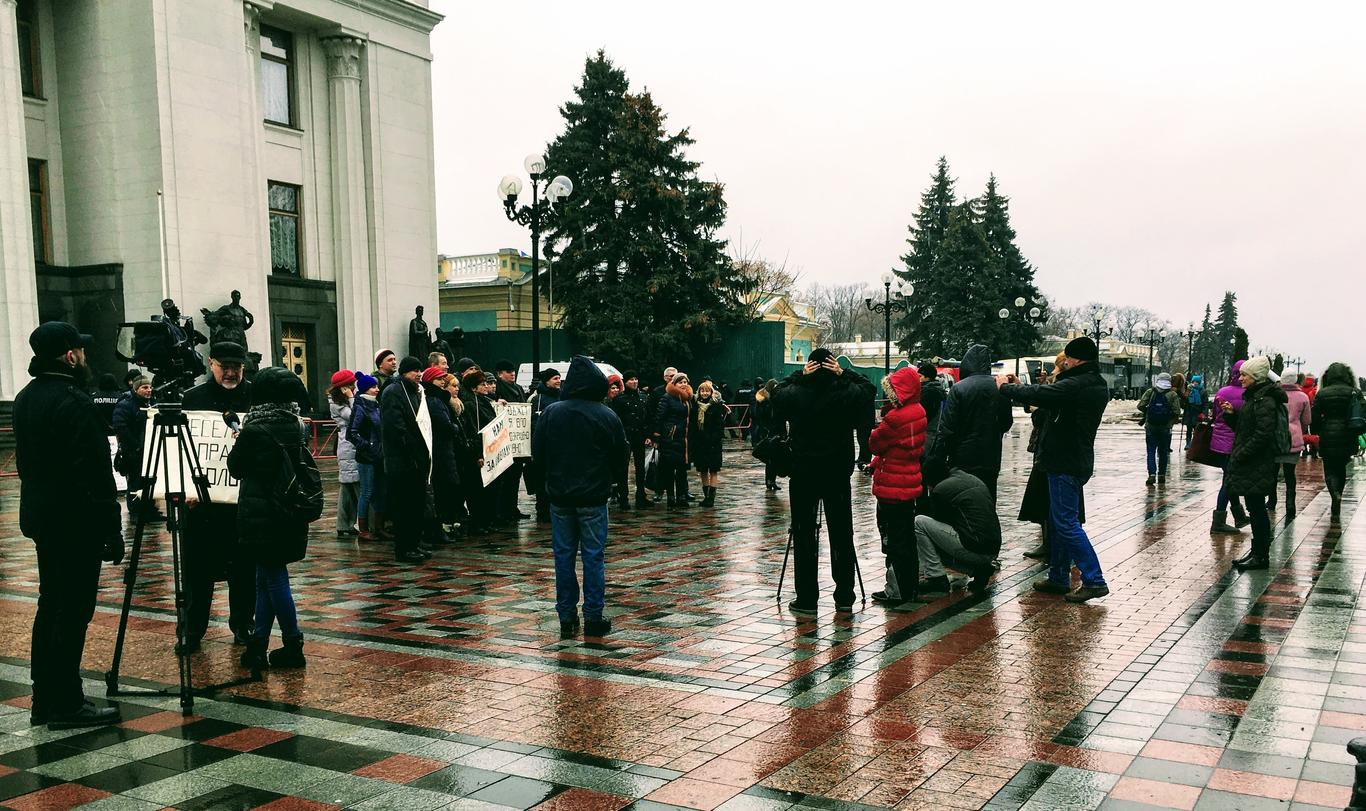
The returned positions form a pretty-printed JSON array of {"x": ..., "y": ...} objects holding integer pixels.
[
  {"x": 826, "y": 407},
  {"x": 69, "y": 507},
  {"x": 210, "y": 531}
]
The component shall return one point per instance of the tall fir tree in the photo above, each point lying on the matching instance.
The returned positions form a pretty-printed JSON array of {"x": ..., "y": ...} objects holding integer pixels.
[
  {"x": 641, "y": 275},
  {"x": 1206, "y": 358},
  {"x": 1225, "y": 329},
  {"x": 965, "y": 311},
  {"x": 914, "y": 332},
  {"x": 1011, "y": 276},
  {"x": 1240, "y": 344}
]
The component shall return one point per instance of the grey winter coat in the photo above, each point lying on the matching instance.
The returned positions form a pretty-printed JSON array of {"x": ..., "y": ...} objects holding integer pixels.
[{"x": 348, "y": 471}]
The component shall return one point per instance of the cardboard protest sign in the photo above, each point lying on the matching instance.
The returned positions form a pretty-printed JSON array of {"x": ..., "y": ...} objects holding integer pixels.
[
  {"x": 497, "y": 442},
  {"x": 518, "y": 417},
  {"x": 213, "y": 439}
]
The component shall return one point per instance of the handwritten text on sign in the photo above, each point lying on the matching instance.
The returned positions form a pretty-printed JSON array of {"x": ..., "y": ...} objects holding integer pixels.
[
  {"x": 497, "y": 443},
  {"x": 518, "y": 417},
  {"x": 213, "y": 440}
]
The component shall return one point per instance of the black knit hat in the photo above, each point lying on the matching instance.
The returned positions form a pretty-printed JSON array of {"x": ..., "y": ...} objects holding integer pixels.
[
  {"x": 820, "y": 355},
  {"x": 409, "y": 364},
  {"x": 1083, "y": 349},
  {"x": 630, "y": 374},
  {"x": 504, "y": 366},
  {"x": 548, "y": 373},
  {"x": 927, "y": 370},
  {"x": 463, "y": 365}
]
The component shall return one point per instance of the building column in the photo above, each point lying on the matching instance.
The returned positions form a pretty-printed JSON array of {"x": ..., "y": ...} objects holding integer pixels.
[
  {"x": 254, "y": 178},
  {"x": 18, "y": 286},
  {"x": 356, "y": 330}
]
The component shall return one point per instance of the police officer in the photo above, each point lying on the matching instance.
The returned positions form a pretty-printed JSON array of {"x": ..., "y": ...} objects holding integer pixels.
[
  {"x": 68, "y": 506},
  {"x": 210, "y": 531}
]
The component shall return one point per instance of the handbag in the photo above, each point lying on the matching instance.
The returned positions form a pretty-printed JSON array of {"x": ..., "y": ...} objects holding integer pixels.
[
  {"x": 652, "y": 469},
  {"x": 776, "y": 453},
  {"x": 1356, "y": 415},
  {"x": 1199, "y": 451}
]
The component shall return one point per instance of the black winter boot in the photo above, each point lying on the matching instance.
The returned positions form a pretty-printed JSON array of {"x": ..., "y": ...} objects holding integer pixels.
[
  {"x": 291, "y": 654},
  {"x": 1220, "y": 526},
  {"x": 708, "y": 496},
  {"x": 254, "y": 657},
  {"x": 1240, "y": 518}
]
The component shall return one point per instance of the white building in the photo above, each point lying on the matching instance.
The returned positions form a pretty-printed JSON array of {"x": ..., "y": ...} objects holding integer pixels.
[{"x": 292, "y": 141}]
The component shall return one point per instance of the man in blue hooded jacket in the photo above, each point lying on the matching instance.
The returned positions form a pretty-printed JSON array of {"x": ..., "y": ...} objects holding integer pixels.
[{"x": 580, "y": 444}]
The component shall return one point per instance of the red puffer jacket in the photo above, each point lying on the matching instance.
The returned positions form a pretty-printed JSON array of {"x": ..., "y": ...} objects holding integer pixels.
[{"x": 899, "y": 440}]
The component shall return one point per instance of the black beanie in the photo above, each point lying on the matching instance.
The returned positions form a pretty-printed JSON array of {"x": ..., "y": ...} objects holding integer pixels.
[
  {"x": 1083, "y": 349},
  {"x": 463, "y": 365},
  {"x": 504, "y": 366},
  {"x": 409, "y": 364},
  {"x": 819, "y": 356},
  {"x": 549, "y": 373},
  {"x": 927, "y": 370}
]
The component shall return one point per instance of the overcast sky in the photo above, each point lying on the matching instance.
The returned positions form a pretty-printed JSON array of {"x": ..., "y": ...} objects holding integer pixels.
[{"x": 1155, "y": 154}]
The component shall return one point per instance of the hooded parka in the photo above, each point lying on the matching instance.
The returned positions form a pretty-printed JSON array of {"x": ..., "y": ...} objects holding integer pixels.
[
  {"x": 899, "y": 440},
  {"x": 1252, "y": 464}
]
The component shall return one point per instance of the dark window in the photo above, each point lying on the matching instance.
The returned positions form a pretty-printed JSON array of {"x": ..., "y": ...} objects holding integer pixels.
[
  {"x": 37, "y": 199},
  {"x": 30, "y": 75},
  {"x": 284, "y": 228},
  {"x": 277, "y": 76}
]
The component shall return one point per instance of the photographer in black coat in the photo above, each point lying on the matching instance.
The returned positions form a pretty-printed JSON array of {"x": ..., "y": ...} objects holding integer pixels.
[
  {"x": 825, "y": 407},
  {"x": 69, "y": 507},
  {"x": 974, "y": 418},
  {"x": 209, "y": 537}
]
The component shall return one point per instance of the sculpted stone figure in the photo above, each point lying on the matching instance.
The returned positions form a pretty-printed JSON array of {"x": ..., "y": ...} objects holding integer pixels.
[
  {"x": 229, "y": 322},
  {"x": 419, "y": 337}
]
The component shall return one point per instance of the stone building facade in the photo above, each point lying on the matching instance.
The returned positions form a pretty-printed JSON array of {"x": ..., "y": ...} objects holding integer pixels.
[{"x": 283, "y": 148}]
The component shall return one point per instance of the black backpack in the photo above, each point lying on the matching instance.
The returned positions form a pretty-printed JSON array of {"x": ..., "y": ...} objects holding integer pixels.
[{"x": 301, "y": 491}]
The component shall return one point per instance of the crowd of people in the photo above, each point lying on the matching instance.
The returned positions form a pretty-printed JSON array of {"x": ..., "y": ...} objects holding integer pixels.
[{"x": 411, "y": 472}]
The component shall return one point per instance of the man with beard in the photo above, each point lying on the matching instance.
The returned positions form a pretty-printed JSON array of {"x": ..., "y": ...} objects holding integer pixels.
[
  {"x": 209, "y": 537},
  {"x": 826, "y": 407},
  {"x": 974, "y": 418},
  {"x": 68, "y": 506}
]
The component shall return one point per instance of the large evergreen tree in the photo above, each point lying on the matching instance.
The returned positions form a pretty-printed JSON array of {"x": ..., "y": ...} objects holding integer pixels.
[
  {"x": 1206, "y": 357},
  {"x": 642, "y": 276},
  {"x": 1009, "y": 274},
  {"x": 968, "y": 299},
  {"x": 1225, "y": 329},
  {"x": 928, "y": 233}
]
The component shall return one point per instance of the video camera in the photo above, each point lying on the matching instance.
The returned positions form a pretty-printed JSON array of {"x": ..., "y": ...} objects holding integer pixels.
[{"x": 164, "y": 347}]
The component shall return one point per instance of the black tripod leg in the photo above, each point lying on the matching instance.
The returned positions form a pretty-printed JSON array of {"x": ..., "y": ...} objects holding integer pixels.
[
  {"x": 783, "y": 574},
  {"x": 130, "y": 573},
  {"x": 184, "y": 447}
]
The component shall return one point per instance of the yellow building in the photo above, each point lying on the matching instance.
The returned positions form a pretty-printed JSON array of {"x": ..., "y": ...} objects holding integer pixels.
[{"x": 491, "y": 292}]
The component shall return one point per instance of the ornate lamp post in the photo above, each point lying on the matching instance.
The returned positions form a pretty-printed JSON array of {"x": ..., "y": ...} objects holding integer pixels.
[
  {"x": 1033, "y": 316},
  {"x": 1189, "y": 335},
  {"x": 1152, "y": 337},
  {"x": 1096, "y": 333},
  {"x": 544, "y": 194},
  {"x": 1298, "y": 361},
  {"x": 887, "y": 306}
]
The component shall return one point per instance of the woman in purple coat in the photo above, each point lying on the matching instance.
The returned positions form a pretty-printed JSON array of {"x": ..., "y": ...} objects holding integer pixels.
[{"x": 1221, "y": 443}]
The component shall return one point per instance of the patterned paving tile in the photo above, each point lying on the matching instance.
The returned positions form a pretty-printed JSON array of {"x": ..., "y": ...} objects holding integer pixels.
[{"x": 447, "y": 684}]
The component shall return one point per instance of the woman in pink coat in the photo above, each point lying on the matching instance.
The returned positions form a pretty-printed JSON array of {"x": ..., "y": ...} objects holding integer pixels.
[
  {"x": 1221, "y": 443},
  {"x": 1297, "y": 413}
]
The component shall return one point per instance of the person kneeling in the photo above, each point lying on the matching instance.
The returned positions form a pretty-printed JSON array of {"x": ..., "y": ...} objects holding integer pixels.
[
  {"x": 272, "y": 521},
  {"x": 961, "y": 531}
]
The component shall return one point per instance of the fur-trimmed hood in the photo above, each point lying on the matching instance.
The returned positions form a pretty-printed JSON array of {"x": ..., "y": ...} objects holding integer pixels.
[
  {"x": 901, "y": 387},
  {"x": 682, "y": 391}
]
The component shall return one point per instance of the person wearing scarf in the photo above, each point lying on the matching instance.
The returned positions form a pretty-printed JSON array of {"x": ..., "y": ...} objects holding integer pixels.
[
  {"x": 707, "y": 429},
  {"x": 363, "y": 432},
  {"x": 1256, "y": 446},
  {"x": 406, "y": 424}
]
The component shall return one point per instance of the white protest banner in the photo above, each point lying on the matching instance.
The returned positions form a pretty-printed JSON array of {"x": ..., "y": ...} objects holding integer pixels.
[
  {"x": 497, "y": 448},
  {"x": 518, "y": 417},
  {"x": 213, "y": 440}
]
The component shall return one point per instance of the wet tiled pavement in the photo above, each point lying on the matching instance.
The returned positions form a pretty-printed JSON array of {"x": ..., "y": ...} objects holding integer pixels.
[{"x": 447, "y": 686}]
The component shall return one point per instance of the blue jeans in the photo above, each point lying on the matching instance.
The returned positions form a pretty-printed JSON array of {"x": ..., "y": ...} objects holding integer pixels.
[
  {"x": 579, "y": 530},
  {"x": 367, "y": 490},
  {"x": 274, "y": 600},
  {"x": 1159, "y": 449},
  {"x": 1068, "y": 543}
]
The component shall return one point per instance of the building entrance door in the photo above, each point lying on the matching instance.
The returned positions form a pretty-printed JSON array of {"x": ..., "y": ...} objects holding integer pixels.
[{"x": 294, "y": 350}]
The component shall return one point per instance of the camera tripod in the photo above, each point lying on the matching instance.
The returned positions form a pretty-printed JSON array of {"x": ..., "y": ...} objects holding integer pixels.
[
  {"x": 172, "y": 438},
  {"x": 791, "y": 528}
]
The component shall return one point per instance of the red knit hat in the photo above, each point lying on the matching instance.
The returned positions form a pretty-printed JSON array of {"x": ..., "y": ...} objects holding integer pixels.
[
  {"x": 432, "y": 375},
  {"x": 343, "y": 378}
]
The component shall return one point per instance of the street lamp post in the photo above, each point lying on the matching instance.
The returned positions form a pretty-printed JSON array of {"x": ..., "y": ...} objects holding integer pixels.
[
  {"x": 1298, "y": 361},
  {"x": 1033, "y": 315},
  {"x": 1097, "y": 332},
  {"x": 1189, "y": 335},
  {"x": 1152, "y": 338},
  {"x": 886, "y": 307},
  {"x": 544, "y": 194}
]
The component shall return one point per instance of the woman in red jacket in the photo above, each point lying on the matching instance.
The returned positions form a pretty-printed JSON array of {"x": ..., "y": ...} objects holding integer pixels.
[{"x": 897, "y": 443}]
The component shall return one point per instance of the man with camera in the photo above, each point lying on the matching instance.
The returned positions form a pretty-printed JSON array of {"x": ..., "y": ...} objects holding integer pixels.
[
  {"x": 209, "y": 536},
  {"x": 69, "y": 507},
  {"x": 826, "y": 407}
]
